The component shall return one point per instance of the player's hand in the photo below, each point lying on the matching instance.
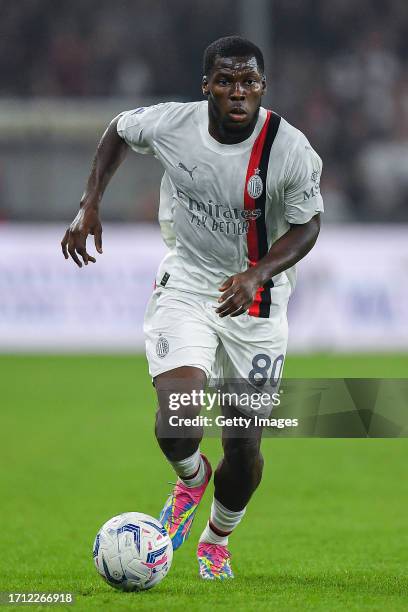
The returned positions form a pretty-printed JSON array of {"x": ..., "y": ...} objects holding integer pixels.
[
  {"x": 238, "y": 293},
  {"x": 74, "y": 241}
]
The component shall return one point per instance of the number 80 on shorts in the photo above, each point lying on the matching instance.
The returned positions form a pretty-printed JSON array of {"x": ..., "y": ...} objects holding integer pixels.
[{"x": 262, "y": 370}]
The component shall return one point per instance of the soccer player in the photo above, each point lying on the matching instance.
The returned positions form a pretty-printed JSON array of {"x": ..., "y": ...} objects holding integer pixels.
[{"x": 239, "y": 207}]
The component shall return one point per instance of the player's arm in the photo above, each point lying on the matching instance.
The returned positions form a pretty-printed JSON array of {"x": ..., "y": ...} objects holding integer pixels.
[
  {"x": 109, "y": 155},
  {"x": 287, "y": 250},
  {"x": 239, "y": 290}
]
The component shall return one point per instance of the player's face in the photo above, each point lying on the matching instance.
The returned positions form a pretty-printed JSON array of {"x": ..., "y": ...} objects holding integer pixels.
[{"x": 234, "y": 88}]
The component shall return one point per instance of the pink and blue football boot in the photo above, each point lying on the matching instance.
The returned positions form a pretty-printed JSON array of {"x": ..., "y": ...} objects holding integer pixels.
[
  {"x": 179, "y": 510},
  {"x": 214, "y": 561}
]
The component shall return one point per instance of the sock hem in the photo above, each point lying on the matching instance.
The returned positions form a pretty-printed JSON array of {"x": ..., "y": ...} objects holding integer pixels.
[{"x": 218, "y": 532}]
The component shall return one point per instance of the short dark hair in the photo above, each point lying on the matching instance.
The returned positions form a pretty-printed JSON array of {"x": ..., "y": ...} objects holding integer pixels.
[{"x": 231, "y": 46}]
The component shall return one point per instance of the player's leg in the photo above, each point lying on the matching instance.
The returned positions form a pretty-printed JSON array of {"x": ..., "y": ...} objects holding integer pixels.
[
  {"x": 181, "y": 446},
  {"x": 236, "y": 478},
  {"x": 180, "y": 348},
  {"x": 254, "y": 350},
  {"x": 240, "y": 470},
  {"x": 178, "y": 441}
]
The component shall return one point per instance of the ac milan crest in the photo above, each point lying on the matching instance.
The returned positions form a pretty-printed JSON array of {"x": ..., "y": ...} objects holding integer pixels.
[
  {"x": 162, "y": 346},
  {"x": 255, "y": 185}
]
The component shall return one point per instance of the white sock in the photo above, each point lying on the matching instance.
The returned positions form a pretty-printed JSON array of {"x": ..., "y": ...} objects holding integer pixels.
[
  {"x": 224, "y": 521},
  {"x": 191, "y": 466}
]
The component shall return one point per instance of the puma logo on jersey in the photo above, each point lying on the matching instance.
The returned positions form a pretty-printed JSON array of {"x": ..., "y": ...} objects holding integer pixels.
[{"x": 183, "y": 167}]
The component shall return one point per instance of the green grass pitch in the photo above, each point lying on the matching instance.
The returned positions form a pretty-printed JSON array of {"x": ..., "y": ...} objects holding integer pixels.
[{"x": 327, "y": 529}]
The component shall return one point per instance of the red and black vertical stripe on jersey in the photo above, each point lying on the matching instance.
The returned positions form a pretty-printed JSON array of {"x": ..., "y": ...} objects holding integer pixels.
[{"x": 257, "y": 239}]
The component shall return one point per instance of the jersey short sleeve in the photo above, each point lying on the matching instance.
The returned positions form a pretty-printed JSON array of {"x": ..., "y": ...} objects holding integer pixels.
[
  {"x": 138, "y": 127},
  {"x": 302, "y": 197}
]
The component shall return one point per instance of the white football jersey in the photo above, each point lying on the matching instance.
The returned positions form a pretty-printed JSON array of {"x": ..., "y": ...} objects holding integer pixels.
[{"x": 223, "y": 206}]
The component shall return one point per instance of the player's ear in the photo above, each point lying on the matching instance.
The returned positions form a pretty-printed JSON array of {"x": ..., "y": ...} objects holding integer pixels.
[
  {"x": 263, "y": 84},
  {"x": 205, "y": 86}
]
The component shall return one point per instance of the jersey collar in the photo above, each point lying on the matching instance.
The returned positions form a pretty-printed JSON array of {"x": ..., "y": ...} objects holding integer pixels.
[{"x": 227, "y": 149}]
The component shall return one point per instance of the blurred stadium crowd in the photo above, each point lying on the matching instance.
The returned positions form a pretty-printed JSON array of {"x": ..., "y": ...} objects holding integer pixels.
[{"x": 337, "y": 70}]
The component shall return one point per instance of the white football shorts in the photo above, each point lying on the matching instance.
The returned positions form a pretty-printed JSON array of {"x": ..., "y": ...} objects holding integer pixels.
[{"x": 183, "y": 329}]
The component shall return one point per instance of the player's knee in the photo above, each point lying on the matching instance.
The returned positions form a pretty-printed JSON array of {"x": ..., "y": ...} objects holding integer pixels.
[
  {"x": 244, "y": 456},
  {"x": 175, "y": 447}
]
